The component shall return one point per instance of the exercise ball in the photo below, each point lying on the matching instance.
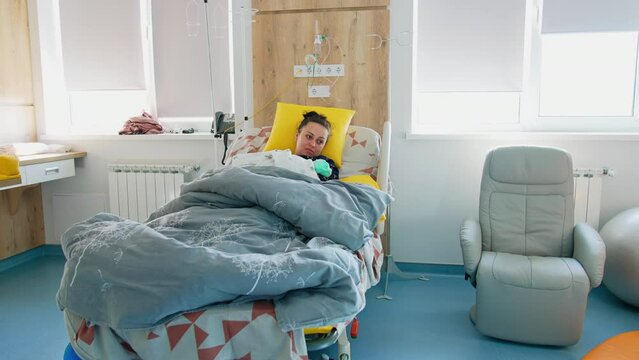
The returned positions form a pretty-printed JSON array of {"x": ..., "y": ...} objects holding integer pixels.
[
  {"x": 622, "y": 346},
  {"x": 621, "y": 272},
  {"x": 70, "y": 354}
]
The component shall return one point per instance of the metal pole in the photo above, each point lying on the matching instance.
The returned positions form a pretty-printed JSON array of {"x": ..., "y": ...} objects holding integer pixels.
[{"x": 208, "y": 47}]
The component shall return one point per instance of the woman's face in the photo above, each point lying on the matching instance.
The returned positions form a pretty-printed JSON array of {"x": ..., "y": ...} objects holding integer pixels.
[{"x": 311, "y": 140}]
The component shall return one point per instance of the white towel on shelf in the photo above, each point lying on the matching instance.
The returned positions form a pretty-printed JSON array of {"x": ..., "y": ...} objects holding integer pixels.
[{"x": 22, "y": 149}]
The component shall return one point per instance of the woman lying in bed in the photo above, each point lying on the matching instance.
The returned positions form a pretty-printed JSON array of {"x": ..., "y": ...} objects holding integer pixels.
[{"x": 311, "y": 137}]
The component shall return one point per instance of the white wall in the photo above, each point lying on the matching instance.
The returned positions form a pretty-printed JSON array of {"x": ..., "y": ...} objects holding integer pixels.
[
  {"x": 436, "y": 180},
  {"x": 86, "y": 193}
]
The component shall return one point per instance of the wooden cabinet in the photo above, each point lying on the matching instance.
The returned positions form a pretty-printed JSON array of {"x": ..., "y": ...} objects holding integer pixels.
[{"x": 21, "y": 216}]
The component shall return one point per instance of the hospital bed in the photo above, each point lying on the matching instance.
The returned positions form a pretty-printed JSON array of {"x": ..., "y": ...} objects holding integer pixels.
[{"x": 265, "y": 324}]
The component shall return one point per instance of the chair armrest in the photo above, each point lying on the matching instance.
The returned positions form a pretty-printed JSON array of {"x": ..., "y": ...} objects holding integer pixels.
[
  {"x": 590, "y": 251},
  {"x": 470, "y": 240}
]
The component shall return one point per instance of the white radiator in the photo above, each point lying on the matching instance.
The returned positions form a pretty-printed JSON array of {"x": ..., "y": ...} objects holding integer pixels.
[
  {"x": 588, "y": 194},
  {"x": 136, "y": 190}
]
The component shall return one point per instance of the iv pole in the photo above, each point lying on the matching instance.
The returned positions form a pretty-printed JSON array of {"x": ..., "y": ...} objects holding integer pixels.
[
  {"x": 391, "y": 266},
  {"x": 208, "y": 47},
  {"x": 384, "y": 171}
]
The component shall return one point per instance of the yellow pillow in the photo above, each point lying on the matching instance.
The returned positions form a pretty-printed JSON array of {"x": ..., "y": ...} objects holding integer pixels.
[
  {"x": 289, "y": 116},
  {"x": 366, "y": 180},
  {"x": 361, "y": 179}
]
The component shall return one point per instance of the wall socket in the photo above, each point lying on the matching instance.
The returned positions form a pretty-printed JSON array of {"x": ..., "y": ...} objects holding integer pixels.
[
  {"x": 325, "y": 70},
  {"x": 319, "y": 91}
]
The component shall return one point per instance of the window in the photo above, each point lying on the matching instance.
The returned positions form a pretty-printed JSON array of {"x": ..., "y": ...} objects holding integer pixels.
[
  {"x": 469, "y": 64},
  {"x": 181, "y": 59},
  {"x": 588, "y": 74},
  {"x": 105, "y": 56},
  {"x": 103, "y": 62},
  {"x": 561, "y": 65},
  {"x": 461, "y": 111}
]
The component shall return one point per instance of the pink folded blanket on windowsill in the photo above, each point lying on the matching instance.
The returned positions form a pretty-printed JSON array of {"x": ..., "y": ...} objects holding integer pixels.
[{"x": 144, "y": 124}]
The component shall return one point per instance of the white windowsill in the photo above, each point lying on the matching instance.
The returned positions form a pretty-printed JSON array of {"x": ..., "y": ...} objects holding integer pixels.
[
  {"x": 522, "y": 135},
  {"x": 112, "y": 137}
]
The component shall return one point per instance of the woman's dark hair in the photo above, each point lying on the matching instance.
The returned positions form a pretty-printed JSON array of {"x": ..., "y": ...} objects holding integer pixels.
[{"x": 312, "y": 116}]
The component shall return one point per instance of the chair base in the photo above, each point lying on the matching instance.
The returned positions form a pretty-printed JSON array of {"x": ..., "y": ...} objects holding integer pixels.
[{"x": 519, "y": 311}]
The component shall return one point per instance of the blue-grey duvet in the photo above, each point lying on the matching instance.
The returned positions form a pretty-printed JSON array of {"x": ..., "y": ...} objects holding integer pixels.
[{"x": 233, "y": 235}]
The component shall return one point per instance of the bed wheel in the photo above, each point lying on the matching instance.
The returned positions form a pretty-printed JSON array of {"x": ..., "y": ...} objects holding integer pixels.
[{"x": 344, "y": 357}]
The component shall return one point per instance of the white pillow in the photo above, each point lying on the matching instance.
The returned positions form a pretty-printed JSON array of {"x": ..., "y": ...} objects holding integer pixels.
[{"x": 279, "y": 158}]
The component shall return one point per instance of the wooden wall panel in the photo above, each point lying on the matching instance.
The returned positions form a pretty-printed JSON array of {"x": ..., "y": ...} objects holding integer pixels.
[
  {"x": 15, "y": 54},
  {"x": 17, "y": 124},
  {"x": 282, "y": 40},
  {"x": 23, "y": 230},
  {"x": 288, "y": 5},
  {"x": 17, "y": 116}
]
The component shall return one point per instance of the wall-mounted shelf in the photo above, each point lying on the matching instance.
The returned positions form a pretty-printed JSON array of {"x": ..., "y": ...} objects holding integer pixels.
[
  {"x": 21, "y": 215},
  {"x": 10, "y": 182},
  {"x": 35, "y": 169}
]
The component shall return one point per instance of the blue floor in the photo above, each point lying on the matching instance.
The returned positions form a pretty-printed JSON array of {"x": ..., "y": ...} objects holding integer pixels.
[
  {"x": 425, "y": 320},
  {"x": 31, "y": 326},
  {"x": 429, "y": 320}
]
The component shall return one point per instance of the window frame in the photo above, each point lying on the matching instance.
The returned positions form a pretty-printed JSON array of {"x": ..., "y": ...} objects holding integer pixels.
[
  {"x": 58, "y": 117},
  {"x": 529, "y": 119},
  {"x": 419, "y": 127},
  {"x": 605, "y": 124}
]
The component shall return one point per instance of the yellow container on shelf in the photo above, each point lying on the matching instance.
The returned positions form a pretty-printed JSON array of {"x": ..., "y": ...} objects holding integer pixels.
[{"x": 9, "y": 167}]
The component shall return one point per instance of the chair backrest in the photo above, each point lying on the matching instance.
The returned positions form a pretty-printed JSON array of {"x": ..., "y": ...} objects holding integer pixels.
[{"x": 526, "y": 203}]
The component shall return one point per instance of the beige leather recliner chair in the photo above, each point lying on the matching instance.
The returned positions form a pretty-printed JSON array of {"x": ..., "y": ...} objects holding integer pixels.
[{"x": 532, "y": 267}]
